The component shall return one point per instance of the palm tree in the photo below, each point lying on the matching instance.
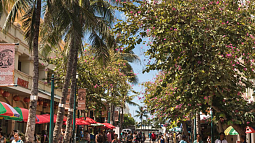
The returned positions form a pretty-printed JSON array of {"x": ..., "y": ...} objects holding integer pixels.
[
  {"x": 72, "y": 20},
  {"x": 141, "y": 113},
  {"x": 31, "y": 13}
]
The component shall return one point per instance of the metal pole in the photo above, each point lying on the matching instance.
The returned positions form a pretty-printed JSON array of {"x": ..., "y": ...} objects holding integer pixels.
[
  {"x": 212, "y": 125},
  {"x": 195, "y": 130},
  {"x": 74, "y": 115},
  {"x": 109, "y": 114},
  {"x": 51, "y": 110}
]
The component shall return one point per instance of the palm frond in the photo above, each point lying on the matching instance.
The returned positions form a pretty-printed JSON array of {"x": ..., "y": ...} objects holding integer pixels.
[
  {"x": 28, "y": 25},
  {"x": 18, "y": 7}
]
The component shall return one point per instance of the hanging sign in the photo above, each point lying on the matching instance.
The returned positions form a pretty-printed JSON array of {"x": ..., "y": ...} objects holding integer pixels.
[
  {"x": 81, "y": 99},
  {"x": 7, "y": 57}
]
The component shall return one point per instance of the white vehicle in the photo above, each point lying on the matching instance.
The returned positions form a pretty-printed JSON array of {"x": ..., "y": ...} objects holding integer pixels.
[{"x": 126, "y": 130}]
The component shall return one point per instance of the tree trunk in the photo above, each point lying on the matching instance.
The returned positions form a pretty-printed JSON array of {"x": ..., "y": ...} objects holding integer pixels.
[
  {"x": 192, "y": 127},
  {"x": 241, "y": 130},
  {"x": 220, "y": 127},
  {"x": 113, "y": 110},
  {"x": 61, "y": 107},
  {"x": 30, "y": 130},
  {"x": 121, "y": 118},
  {"x": 198, "y": 126},
  {"x": 68, "y": 132},
  {"x": 184, "y": 126}
]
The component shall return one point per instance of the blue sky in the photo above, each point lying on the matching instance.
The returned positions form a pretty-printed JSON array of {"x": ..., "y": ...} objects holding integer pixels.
[{"x": 138, "y": 69}]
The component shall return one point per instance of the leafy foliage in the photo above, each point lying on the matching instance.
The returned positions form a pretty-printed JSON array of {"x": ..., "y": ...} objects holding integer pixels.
[
  {"x": 128, "y": 121},
  {"x": 205, "y": 51}
]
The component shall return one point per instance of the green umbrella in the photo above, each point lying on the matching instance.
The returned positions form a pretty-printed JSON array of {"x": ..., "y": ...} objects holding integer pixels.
[{"x": 230, "y": 131}]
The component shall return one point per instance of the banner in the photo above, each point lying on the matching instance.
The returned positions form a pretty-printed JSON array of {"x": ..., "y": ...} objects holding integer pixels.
[
  {"x": 81, "y": 99},
  {"x": 116, "y": 116},
  {"x": 7, "y": 60}
]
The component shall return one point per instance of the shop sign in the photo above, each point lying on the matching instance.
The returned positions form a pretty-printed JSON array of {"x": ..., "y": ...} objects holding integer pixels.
[
  {"x": 22, "y": 83},
  {"x": 116, "y": 116},
  {"x": 7, "y": 59},
  {"x": 81, "y": 99},
  {"x": 104, "y": 113}
]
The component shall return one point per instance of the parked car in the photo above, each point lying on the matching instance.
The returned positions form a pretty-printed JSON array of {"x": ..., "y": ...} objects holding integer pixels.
[{"x": 126, "y": 130}]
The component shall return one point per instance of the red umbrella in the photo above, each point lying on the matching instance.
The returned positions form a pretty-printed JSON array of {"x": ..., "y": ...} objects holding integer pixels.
[
  {"x": 109, "y": 126},
  {"x": 41, "y": 119},
  {"x": 91, "y": 121},
  {"x": 55, "y": 117},
  {"x": 79, "y": 121}
]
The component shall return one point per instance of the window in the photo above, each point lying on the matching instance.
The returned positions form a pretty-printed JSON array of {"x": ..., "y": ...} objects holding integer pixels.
[{"x": 19, "y": 65}]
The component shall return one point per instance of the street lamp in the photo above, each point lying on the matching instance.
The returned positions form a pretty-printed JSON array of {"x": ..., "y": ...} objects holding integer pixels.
[
  {"x": 74, "y": 113},
  {"x": 51, "y": 110}
]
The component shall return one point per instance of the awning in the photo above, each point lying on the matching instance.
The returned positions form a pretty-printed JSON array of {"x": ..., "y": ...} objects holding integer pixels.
[
  {"x": 40, "y": 119},
  {"x": 79, "y": 121},
  {"x": 55, "y": 117}
]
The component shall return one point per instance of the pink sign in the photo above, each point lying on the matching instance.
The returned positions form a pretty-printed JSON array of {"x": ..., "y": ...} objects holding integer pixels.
[{"x": 7, "y": 57}]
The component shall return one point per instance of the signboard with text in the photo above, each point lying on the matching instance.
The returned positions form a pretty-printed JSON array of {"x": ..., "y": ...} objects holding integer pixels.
[
  {"x": 7, "y": 60},
  {"x": 81, "y": 99}
]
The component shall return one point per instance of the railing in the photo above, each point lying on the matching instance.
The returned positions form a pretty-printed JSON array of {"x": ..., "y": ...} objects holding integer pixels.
[{"x": 41, "y": 84}]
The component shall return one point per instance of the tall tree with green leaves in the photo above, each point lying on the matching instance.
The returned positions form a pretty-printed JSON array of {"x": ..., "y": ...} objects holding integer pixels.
[
  {"x": 72, "y": 20},
  {"x": 30, "y": 12},
  {"x": 141, "y": 112},
  {"x": 205, "y": 50}
]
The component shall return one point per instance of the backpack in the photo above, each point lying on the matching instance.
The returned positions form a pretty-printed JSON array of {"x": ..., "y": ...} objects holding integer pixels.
[
  {"x": 100, "y": 139},
  {"x": 153, "y": 136}
]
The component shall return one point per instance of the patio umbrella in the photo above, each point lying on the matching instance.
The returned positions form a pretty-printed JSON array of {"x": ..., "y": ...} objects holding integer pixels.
[
  {"x": 97, "y": 125},
  {"x": 109, "y": 126},
  {"x": 55, "y": 117},
  {"x": 23, "y": 115},
  {"x": 79, "y": 121},
  {"x": 7, "y": 110},
  {"x": 249, "y": 130},
  {"x": 91, "y": 121},
  {"x": 40, "y": 119},
  {"x": 230, "y": 131}
]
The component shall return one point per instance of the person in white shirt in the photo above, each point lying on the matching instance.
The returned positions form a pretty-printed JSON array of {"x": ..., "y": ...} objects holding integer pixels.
[{"x": 222, "y": 138}]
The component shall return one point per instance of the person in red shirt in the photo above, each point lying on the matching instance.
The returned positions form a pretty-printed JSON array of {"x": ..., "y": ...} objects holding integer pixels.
[{"x": 153, "y": 137}]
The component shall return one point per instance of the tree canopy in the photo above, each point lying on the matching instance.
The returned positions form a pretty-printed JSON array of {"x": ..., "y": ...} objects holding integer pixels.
[{"x": 204, "y": 50}]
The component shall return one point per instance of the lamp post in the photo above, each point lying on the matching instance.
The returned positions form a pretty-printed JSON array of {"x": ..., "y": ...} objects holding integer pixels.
[
  {"x": 195, "y": 131},
  {"x": 212, "y": 125},
  {"x": 74, "y": 112},
  {"x": 51, "y": 110}
]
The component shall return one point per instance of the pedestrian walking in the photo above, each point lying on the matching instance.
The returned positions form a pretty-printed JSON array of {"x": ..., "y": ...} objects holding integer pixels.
[
  {"x": 222, "y": 138},
  {"x": 109, "y": 137},
  {"x": 129, "y": 137},
  {"x": 161, "y": 139},
  {"x": 2, "y": 138},
  {"x": 209, "y": 139},
  {"x": 198, "y": 140},
  {"x": 143, "y": 138},
  {"x": 153, "y": 137},
  {"x": 115, "y": 140},
  {"x": 150, "y": 136},
  {"x": 99, "y": 138},
  {"x": 17, "y": 138},
  {"x": 184, "y": 139}
]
